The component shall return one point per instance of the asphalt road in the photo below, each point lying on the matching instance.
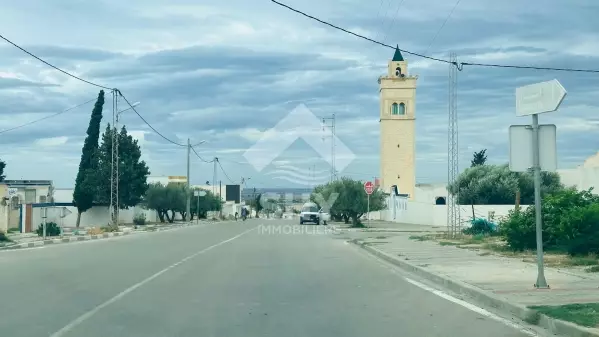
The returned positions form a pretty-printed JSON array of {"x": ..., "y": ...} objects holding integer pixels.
[{"x": 228, "y": 279}]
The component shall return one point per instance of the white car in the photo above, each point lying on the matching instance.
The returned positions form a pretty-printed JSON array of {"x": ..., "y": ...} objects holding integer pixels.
[{"x": 311, "y": 213}]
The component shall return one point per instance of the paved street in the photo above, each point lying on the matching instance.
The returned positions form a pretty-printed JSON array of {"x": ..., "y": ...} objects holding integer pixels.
[{"x": 224, "y": 279}]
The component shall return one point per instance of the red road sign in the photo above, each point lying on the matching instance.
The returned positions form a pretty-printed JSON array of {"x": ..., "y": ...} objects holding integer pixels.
[{"x": 368, "y": 187}]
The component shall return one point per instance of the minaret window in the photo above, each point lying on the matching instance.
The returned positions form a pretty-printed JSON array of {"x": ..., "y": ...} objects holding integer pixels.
[
  {"x": 395, "y": 109},
  {"x": 402, "y": 109}
]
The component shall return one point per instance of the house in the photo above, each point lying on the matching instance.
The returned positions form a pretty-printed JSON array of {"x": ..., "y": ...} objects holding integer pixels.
[{"x": 29, "y": 191}]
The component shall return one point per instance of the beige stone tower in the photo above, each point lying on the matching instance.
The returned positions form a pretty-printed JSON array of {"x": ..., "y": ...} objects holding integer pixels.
[{"x": 398, "y": 127}]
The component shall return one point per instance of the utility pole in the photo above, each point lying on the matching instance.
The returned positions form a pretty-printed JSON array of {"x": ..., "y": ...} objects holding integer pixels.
[
  {"x": 220, "y": 193},
  {"x": 214, "y": 176},
  {"x": 333, "y": 168},
  {"x": 114, "y": 170},
  {"x": 188, "y": 207},
  {"x": 453, "y": 208}
]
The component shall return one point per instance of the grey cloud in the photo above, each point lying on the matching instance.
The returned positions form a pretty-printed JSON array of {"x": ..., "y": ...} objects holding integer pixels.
[{"x": 13, "y": 83}]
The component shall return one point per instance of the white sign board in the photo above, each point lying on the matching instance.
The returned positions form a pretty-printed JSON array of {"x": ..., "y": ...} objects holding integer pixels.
[
  {"x": 12, "y": 191},
  {"x": 539, "y": 98},
  {"x": 199, "y": 193},
  {"x": 521, "y": 149}
]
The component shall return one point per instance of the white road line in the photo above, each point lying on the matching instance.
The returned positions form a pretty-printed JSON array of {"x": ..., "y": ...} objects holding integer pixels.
[
  {"x": 444, "y": 295},
  {"x": 122, "y": 294},
  {"x": 472, "y": 307}
]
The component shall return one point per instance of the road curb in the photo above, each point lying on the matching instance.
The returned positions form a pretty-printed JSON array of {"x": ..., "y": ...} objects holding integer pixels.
[
  {"x": 485, "y": 298},
  {"x": 84, "y": 238}
]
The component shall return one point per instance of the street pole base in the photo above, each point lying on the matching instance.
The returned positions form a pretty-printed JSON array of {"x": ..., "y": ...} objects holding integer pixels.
[{"x": 541, "y": 283}]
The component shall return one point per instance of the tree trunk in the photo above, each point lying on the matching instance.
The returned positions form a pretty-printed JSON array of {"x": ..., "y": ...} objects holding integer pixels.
[
  {"x": 172, "y": 217},
  {"x": 345, "y": 218},
  {"x": 161, "y": 215},
  {"x": 78, "y": 218},
  {"x": 473, "y": 215},
  {"x": 168, "y": 218}
]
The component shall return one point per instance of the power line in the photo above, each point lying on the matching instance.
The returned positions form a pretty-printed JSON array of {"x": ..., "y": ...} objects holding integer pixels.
[
  {"x": 442, "y": 26},
  {"x": 222, "y": 169},
  {"x": 47, "y": 117},
  {"x": 145, "y": 121},
  {"x": 393, "y": 21},
  {"x": 85, "y": 81},
  {"x": 51, "y": 65},
  {"x": 202, "y": 159},
  {"x": 355, "y": 34},
  {"x": 459, "y": 65}
]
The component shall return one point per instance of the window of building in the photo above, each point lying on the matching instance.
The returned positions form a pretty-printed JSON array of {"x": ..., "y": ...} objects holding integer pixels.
[
  {"x": 42, "y": 198},
  {"x": 394, "y": 109},
  {"x": 402, "y": 109},
  {"x": 30, "y": 196},
  {"x": 440, "y": 201}
]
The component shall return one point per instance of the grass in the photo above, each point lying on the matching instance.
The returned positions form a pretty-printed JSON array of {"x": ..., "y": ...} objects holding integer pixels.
[{"x": 581, "y": 314}]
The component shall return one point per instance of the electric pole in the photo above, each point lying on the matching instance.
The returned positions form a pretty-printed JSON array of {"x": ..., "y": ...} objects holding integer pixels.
[
  {"x": 220, "y": 193},
  {"x": 114, "y": 167},
  {"x": 324, "y": 122},
  {"x": 188, "y": 207}
]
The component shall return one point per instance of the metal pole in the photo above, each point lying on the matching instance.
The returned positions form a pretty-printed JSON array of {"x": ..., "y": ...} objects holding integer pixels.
[
  {"x": 198, "y": 211},
  {"x": 188, "y": 206},
  {"x": 220, "y": 193},
  {"x": 44, "y": 221},
  {"x": 368, "y": 214},
  {"x": 541, "y": 282}
]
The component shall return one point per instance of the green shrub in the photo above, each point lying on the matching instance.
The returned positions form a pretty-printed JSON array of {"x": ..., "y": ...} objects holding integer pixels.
[
  {"x": 570, "y": 223},
  {"x": 480, "y": 226},
  {"x": 139, "y": 219},
  {"x": 3, "y": 237},
  {"x": 52, "y": 229}
]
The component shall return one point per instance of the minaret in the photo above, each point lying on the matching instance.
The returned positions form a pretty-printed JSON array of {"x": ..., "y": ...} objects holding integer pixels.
[{"x": 398, "y": 127}]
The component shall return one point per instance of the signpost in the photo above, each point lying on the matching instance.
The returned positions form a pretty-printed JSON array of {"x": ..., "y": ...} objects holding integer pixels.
[
  {"x": 532, "y": 100},
  {"x": 368, "y": 188}
]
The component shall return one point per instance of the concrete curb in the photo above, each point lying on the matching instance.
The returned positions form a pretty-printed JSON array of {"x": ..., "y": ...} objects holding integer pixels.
[
  {"x": 85, "y": 238},
  {"x": 485, "y": 298}
]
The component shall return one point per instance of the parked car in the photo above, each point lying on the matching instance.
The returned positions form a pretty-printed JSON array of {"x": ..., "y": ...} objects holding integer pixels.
[{"x": 312, "y": 213}]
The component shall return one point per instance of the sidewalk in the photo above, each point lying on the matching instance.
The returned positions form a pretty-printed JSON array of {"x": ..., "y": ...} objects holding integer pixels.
[
  {"x": 504, "y": 279},
  {"x": 387, "y": 226},
  {"x": 28, "y": 240}
]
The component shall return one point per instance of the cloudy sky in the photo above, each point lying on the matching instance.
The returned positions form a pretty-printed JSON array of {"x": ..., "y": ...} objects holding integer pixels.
[{"x": 228, "y": 71}]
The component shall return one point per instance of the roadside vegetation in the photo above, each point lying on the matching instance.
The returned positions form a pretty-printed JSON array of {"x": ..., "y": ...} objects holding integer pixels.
[{"x": 351, "y": 202}]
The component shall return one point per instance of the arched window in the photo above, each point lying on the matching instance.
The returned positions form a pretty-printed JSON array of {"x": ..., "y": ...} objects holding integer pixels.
[
  {"x": 440, "y": 201},
  {"x": 394, "y": 109},
  {"x": 402, "y": 109}
]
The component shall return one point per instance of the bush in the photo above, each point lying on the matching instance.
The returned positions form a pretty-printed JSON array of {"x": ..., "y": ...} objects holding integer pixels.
[
  {"x": 480, "y": 226},
  {"x": 570, "y": 223},
  {"x": 139, "y": 219},
  {"x": 3, "y": 237},
  {"x": 52, "y": 229}
]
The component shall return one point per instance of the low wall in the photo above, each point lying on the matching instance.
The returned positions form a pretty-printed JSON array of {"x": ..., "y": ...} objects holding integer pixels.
[
  {"x": 96, "y": 216},
  {"x": 420, "y": 213}
]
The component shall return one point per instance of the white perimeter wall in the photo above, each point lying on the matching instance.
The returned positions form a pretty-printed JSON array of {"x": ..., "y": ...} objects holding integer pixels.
[
  {"x": 420, "y": 213},
  {"x": 97, "y": 216}
]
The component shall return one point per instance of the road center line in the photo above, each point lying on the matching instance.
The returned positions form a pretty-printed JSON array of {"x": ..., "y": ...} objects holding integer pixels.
[{"x": 122, "y": 294}]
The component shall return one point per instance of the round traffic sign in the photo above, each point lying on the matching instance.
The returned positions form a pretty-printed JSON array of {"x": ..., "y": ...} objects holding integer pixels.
[{"x": 368, "y": 187}]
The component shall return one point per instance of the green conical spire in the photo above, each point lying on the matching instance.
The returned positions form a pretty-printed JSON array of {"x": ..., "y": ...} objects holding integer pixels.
[{"x": 397, "y": 56}]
